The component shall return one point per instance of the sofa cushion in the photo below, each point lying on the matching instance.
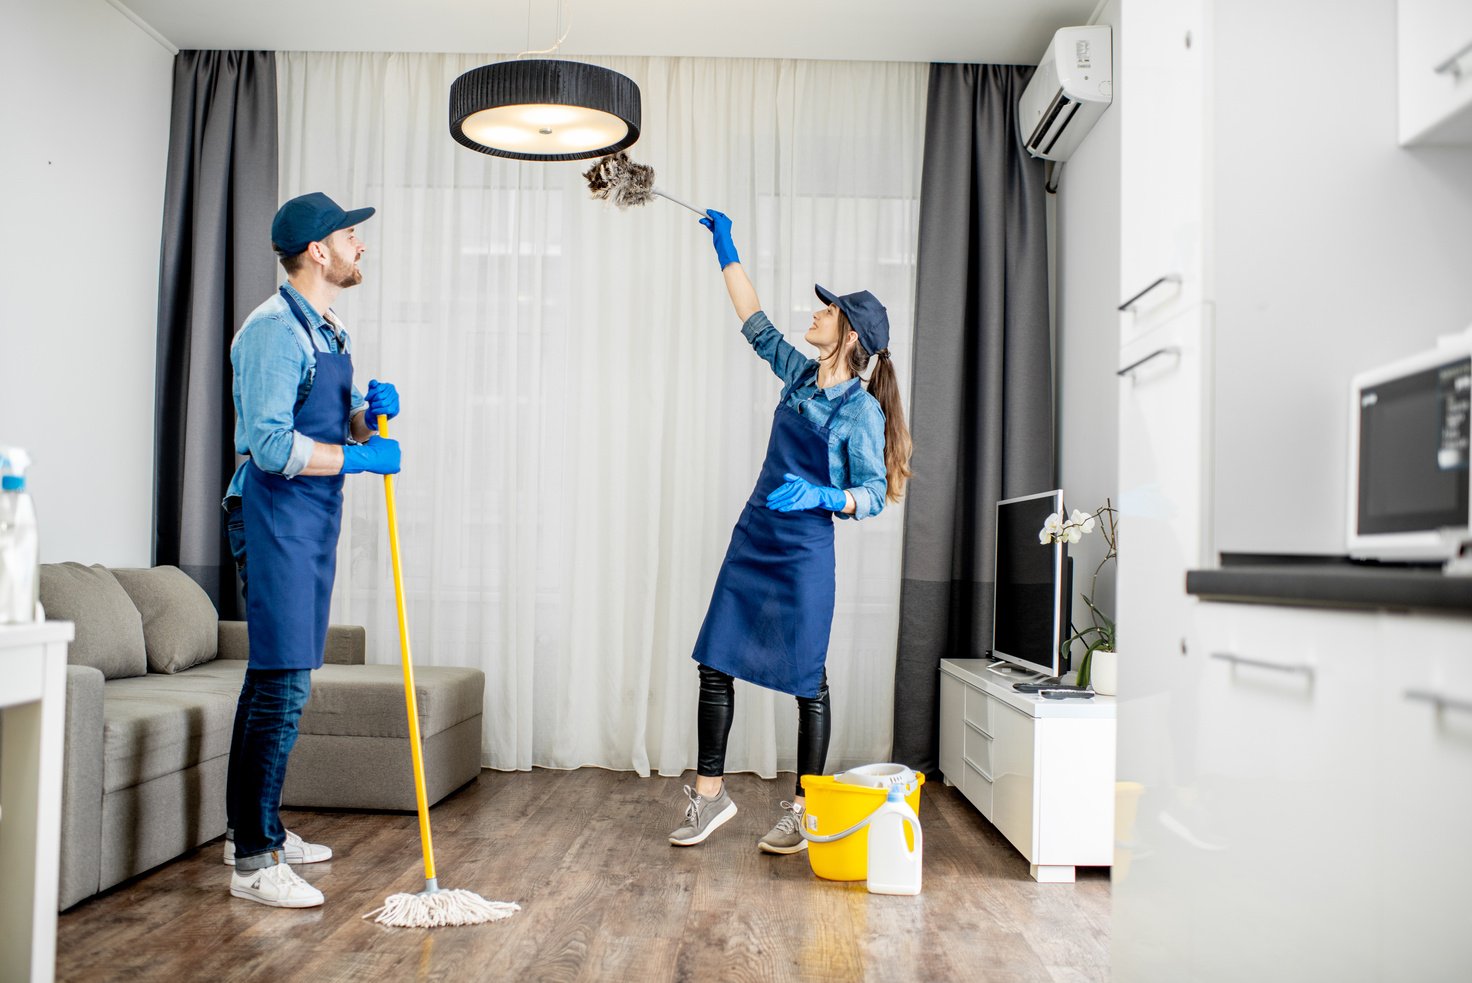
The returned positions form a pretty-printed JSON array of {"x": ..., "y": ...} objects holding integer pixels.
[
  {"x": 155, "y": 725},
  {"x": 109, "y": 628},
  {"x": 368, "y": 701},
  {"x": 180, "y": 625}
]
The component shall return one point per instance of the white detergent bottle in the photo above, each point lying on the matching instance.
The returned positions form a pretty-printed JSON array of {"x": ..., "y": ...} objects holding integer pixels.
[
  {"x": 19, "y": 545},
  {"x": 894, "y": 868}
]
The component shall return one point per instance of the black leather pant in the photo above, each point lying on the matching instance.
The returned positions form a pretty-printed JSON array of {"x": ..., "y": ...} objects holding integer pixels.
[{"x": 718, "y": 709}]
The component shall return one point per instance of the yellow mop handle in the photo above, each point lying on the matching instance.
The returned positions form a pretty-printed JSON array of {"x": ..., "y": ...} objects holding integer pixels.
[{"x": 409, "y": 700}]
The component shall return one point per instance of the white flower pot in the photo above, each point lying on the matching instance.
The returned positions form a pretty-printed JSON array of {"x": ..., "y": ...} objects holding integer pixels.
[{"x": 1104, "y": 673}]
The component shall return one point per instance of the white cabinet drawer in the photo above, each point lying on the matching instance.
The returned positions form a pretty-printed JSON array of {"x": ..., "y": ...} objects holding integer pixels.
[
  {"x": 978, "y": 710},
  {"x": 1013, "y": 779},
  {"x": 1424, "y": 805},
  {"x": 952, "y": 718}
]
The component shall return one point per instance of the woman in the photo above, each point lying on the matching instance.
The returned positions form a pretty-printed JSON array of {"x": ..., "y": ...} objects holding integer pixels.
[{"x": 834, "y": 448}]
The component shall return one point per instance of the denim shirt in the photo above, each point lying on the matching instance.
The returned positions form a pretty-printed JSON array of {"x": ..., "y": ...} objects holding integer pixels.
[
  {"x": 855, "y": 432},
  {"x": 274, "y": 365}
]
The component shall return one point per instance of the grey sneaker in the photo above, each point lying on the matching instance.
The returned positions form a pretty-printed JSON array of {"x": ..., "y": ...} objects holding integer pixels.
[
  {"x": 703, "y": 817},
  {"x": 785, "y": 837}
]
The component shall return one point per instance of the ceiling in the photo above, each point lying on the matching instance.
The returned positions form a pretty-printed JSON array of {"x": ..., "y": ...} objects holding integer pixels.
[{"x": 982, "y": 31}]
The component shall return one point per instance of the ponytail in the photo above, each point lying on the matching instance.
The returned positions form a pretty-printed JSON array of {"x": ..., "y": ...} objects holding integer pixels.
[{"x": 884, "y": 385}]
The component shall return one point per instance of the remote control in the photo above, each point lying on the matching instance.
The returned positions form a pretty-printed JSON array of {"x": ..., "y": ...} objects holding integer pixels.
[
  {"x": 1040, "y": 687},
  {"x": 1067, "y": 694}
]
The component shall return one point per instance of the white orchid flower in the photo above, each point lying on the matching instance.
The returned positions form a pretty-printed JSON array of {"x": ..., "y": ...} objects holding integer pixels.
[
  {"x": 1071, "y": 534},
  {"x": 1052, "y": 528},
  {"x": 1083, "y": 520}
]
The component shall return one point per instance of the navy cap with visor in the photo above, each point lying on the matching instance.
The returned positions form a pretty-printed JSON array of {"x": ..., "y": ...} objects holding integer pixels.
[
  {"x": 311, "y": 218},
  {"x": 865, "y": 315}
]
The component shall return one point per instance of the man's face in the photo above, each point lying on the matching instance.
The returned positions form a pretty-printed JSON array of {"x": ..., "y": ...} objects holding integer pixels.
[{"x": 344, "y": 249}]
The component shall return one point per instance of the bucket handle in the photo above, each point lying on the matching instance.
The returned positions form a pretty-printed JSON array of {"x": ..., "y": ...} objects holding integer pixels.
[
  {"x": 909, "y": 788},
  {"x": 831, "y": 837}
]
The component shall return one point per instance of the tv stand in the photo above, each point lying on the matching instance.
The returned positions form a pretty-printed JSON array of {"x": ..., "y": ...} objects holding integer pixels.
[
  {"x": 1041, "y": 771},
  {"x": 1016, "y": 672}
]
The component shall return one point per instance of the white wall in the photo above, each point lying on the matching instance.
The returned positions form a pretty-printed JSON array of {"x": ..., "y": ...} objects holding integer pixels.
[
  {"x": 1087, "y": 243},
  {"x": 1336, "y": 250},
  {"x": 85, "y": 119}
]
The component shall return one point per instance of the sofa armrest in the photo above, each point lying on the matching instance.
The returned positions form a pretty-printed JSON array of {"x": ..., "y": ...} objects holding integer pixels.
[
  {"x": 346, "y": 644},
  {"x": 81, "y": 787},
  {"x": 234, "y": 643}
]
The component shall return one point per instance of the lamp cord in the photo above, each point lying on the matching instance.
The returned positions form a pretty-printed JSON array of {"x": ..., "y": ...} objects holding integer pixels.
[{"x": 562, "y": 34}]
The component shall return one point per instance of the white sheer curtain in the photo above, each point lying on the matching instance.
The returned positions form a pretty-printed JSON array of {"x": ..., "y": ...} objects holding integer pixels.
[{"x": 582, "y": 419}]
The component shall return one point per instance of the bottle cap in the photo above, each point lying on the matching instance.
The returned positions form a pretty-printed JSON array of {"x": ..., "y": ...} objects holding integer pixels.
[
  {"x": 13, "y": 482},
  {"x": 896, "y": 794}
]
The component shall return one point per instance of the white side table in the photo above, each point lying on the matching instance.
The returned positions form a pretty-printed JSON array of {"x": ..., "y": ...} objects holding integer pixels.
[{"x": 32, "y": 718}]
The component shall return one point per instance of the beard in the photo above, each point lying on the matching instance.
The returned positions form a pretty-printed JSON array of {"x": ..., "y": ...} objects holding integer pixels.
[{"x": 343, "y": 273}]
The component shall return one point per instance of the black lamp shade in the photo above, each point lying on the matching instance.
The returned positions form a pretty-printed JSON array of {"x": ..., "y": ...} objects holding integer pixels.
[{"x": 543, "y": 109}]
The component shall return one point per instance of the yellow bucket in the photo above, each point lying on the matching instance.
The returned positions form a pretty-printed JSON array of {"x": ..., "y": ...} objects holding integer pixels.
[{"x": 832, "y": 807}]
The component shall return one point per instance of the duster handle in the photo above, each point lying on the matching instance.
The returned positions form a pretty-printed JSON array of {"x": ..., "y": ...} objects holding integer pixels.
[
  {"x": 422, "y": 800},
  {"x": 670, "y": 197}
]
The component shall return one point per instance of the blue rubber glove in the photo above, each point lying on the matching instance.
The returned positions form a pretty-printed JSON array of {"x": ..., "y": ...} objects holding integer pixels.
[
  {"x": 379, "y": 456},
  {"x": 797, "y": 493},
  {"x": 383, "y": 400},
  {"x": 720, "y": 233}
]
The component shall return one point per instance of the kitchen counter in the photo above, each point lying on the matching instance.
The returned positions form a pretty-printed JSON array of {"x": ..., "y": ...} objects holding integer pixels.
[{"x": 1331, "y": 582}]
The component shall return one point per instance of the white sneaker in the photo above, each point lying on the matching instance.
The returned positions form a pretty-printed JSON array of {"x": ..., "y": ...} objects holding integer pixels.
[
  {"x": 296, "y": 851},
  {"x": 278, "y": 886}
]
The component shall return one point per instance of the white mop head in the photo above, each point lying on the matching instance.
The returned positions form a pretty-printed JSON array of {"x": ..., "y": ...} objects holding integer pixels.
[{"x": 441, "y": 909}]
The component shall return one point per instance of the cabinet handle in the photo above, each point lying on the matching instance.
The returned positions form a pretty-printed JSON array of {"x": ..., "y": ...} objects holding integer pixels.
[
  {"x": 1139, "y": 362},
  {"x": 1129, "y": 305},
  {"x": 975, "y": 767},
  {"x": 1438, "y": 701},
  {"x": 1453, "y": 65},
  {"x": 1301, "y": 668},
  {"x": 977, "y": 728}
]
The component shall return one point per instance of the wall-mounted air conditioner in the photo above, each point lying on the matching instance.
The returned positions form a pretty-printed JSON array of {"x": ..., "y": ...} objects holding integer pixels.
[{"x": 1072, "y": 87}]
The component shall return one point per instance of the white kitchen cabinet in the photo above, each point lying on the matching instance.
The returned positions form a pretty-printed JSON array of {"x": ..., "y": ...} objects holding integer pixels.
[
  {"x": 1422, "y": 854},
  {"x": 1042, "y": 771},
  {"x": 1285, "y": 732},
  {"x": 1163, "y": 58},
  {"x": 32, "y": 729},
  {"x": 1434, "y": 66}
]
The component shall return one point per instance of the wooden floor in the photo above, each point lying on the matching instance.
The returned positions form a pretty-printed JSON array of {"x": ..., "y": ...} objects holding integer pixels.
[{"x": 604, "y": 897}]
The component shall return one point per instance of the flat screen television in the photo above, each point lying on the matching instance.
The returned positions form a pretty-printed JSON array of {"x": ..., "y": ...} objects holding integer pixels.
[{"x": 1033, "y": 586}]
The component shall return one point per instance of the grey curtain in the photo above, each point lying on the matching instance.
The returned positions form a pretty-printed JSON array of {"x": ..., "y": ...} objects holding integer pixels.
[
  {"x": 982, "y": 392},
  {"x": 215, "y": 266}
]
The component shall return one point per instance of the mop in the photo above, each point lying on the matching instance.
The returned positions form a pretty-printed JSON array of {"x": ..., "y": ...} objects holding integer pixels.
[
  {"x": 620, "y": 180},
  {"x": 434, "y": 906}
]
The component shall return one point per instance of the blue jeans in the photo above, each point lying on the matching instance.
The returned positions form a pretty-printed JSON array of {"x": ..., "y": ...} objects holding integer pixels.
[{"x": 271, "y": 703}]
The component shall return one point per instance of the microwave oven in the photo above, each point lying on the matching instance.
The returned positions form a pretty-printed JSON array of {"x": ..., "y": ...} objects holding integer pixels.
[{"x": 1410, "y": 457}]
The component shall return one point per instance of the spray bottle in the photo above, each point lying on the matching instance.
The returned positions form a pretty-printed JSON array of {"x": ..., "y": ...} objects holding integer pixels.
[
  {"x": 19, "y": 547},
  {"x": 894, "y": 867}
]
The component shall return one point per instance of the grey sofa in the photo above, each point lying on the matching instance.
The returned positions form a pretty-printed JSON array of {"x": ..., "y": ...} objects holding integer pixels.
[{"x": 152, "y": 682}]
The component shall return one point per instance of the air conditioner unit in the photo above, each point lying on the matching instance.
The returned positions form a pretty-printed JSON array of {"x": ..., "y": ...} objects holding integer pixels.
[{"x": 1068, "y": 93}]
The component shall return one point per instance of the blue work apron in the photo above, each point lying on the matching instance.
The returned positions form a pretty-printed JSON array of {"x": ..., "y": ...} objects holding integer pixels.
[
  {"x": 291, "y": 527},
  {"x": 772, "y": 608}
]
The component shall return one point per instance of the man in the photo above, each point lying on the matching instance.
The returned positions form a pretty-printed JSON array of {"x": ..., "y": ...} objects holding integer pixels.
[{"x": 303, "y": 425}]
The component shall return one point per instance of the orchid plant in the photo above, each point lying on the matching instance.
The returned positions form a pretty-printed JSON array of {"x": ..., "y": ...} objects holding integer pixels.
[{"x": 1098, "y": 636}]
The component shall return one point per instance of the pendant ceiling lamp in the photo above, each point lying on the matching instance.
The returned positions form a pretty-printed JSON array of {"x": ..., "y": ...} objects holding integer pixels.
[{"x": 544, "y": 109}]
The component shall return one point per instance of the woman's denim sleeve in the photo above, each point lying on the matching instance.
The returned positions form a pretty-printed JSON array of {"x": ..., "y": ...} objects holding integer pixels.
[
  {"x": 269, "y": 369},
  {"x": 866, "y": 471},
  {"x": 786, "y": 361}
]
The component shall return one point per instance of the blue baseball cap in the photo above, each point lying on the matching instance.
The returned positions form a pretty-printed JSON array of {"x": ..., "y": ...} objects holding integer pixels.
[
  {"x": 310, "y": 218},
  {"x": 865, "y": 315}
]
